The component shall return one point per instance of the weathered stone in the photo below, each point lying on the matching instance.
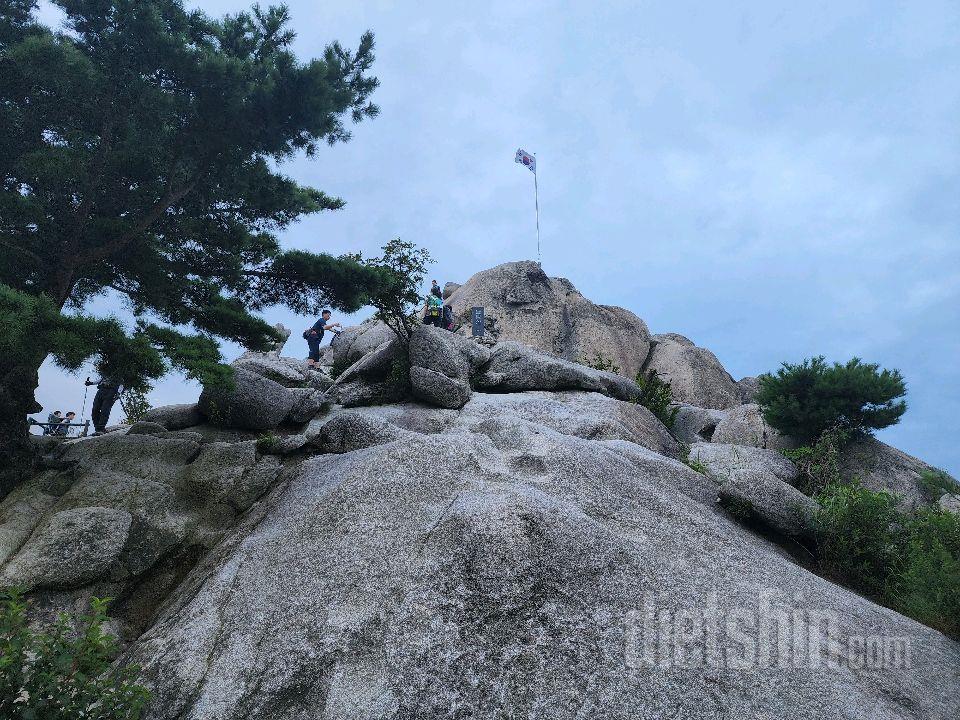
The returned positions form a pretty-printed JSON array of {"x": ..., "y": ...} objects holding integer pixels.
[
  {"x": 441, "y": 364},
  {"x": 175, "y": 417},
  {"x": 73, "y": 548},
  {"x": 749, "y": 387},
  {"x": 695, "y": 375},
  {"x": 449, "y": 289},
  {"x": 351, "y": 430},
  {"x": 508, "y": 570},
  {"x": 145, "y": 427},
  {"x": 514, "y": 367},
  {"x": 374, "y": 379},
  {"x": 722, "y": 461},
  {"x": 950, "y": 501},
  {"x": 777, "y": 504},
  {"x": 521, "y": 303},
  {"x": 744, "y": 425},
  {"x": 307, "y": 403},
  {"x": 254, "y": 403},
  {"x": 355, "y": 342},
  {"x": 881, "y": 467},
  {"x": 694, "y": 424}
]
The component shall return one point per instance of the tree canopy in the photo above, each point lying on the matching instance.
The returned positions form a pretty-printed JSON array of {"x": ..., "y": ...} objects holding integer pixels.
[{"x": 140, "y": 149}]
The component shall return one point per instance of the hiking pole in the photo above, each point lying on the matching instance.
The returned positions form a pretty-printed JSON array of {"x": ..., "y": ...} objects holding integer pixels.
[{"x": 86, "y": 389}]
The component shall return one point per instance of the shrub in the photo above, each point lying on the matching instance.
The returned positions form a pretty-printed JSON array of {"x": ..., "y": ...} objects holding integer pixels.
[
  {"x": 267, "y": 443},
  {"x": 856, "y": 536},
  {"x": 135, "y": 405},
  {"x": 907, "y": 561},
  {"x": 934, "y": 483},
  {"x": 926, "y": 581},
  {"x": 806, "y": 399},
  {"x": 603, "y": 363},
  {"x": 657, "y": 396},
  {"x": 61, "y": 674},
  {"x": 819, "y": 464}
]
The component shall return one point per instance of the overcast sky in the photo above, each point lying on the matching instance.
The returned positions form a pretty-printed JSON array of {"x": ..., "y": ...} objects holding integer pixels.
[{"x": 774, "y": 180}]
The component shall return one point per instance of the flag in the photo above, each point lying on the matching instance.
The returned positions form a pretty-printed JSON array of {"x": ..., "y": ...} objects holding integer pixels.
[{"x": 527, "y": 159}]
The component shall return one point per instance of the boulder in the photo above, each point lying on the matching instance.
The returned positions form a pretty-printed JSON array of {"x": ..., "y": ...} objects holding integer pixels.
[
  {"x": 289, "y": 372},
  {"x": 695, "y": 375},
  {"x": 145, "y": 427},
  {"x": 749, "y": 388},
  {"x": 355, "y": 342},
  {"x": 175, "y": 417},
  {"x": 73, "y": 548},
  {"x": 882, "y": 467},
  {"x": 694, "y": 424},
  {"x": 377, "y": 378},
  {"x": 449, "y": 289},
  {"x": 515, "y": 367},
  {"x": 950, "y": 502},
  {"x": 254, "y": 403},
  {"x": 521, "y": 303},
  {"x": 352, "y": 430},
  {"x": 441, "y": 364},
  {"x": 774, "y": 502},
  {"x": 720, "y": 462},
  {"x": 744, "y": 425},
  {"x": 513, "y": 570}
]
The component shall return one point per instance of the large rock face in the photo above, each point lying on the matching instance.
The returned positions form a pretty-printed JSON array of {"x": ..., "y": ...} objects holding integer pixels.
[
  {"x": 694, "y": 373},
  {"x": 521, "y": 303},
  {"x": 503, "y": 568},
  {"x": 881, "y": 467}
]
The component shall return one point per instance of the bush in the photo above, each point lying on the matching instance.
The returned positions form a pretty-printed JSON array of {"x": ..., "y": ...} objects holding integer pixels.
[
  {"x": 135, "y": 405},
  {"x": 657, "y": 396},
  {"x": 907, "y": 561},
  {"x": 603, "y": 363},
  {"x": 819, "y": 464},
  {"x": 934, "y": 483},
  {"x": 805, "y": 400},
  {"x": 61, "y": 674}
]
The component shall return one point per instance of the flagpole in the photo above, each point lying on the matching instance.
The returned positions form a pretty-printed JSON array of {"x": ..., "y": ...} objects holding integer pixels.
[{"x": 536, "y": 203}]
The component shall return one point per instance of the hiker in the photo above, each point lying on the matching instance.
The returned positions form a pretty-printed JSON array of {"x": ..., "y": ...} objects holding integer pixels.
[
  {"x": 64, "y": 427},
  {"x": 314, "y": 334},
  {"x": 448, "y": 318},
  {"x": 107, "y": 391},
  {"x": 433, "y": 312},
  {"x": 53, "y": 421}
]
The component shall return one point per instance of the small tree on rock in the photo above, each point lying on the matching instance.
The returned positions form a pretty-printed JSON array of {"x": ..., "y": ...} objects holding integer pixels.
[{"x": 808, "y": 398}]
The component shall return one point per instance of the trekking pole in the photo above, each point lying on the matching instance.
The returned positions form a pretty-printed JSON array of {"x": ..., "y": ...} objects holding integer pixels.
[{"x": 86, "y": 389}]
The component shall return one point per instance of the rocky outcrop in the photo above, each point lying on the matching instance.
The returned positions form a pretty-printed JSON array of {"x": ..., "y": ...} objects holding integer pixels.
[
  {"x": 515, "y": 367},
  {"x": 379, "y": 377},
  {"x": 441, "y": 364},
  {"x": 749, "y": 388},
  {"x": 775, "y": 503},
  {"x": 522, "y": 303},
  {"x": 506, "y": 568},
  {"x": 744, "y": 425},
  {"x": 881, "y": 467},
  {"x": 722, "y": 461},
  {"x": 695, "y": 375},
  {"x": 175, "y": 417},
  {"x": 694, "y": 424},
  {"x": 355, "y": 342}
]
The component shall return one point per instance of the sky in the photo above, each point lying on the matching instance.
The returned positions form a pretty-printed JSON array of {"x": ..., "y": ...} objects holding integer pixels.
[{"x": 774, "y": 180}]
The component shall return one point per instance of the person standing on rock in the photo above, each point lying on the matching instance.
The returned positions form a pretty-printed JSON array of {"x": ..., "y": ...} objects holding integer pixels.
[
  {"x": 108, "y": 389},
  {"x": 313, "y": 335},
  {"x": 433, "y": 313}
]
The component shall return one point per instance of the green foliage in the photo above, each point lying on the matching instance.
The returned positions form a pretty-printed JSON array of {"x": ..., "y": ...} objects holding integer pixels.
[
  {"x": 926, "y": 581},
  {"x": 806, "y": 399},
  {"x": 267, "y": 443},
  {"x": 907, "y": 561},
  {"x": 657, "y": 396},
  {"x": 135, "y": 405},
  {"x": 934, "y": 483},
  {"x": 62, "y": 674},
  {"x": 603, "y": 363},
  {"x": 400, "y": 372},
  {"x": 819, "y": 464},
  {"x": 398, "y": 300},
  {"x": 738, "y": 508},
  {"x": 138, "y": 155}
]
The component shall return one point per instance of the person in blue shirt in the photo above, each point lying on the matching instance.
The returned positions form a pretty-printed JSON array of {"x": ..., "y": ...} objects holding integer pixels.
[{"x": 314, "y": 334}]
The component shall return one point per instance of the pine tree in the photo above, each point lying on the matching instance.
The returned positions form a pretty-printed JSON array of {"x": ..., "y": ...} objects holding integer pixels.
[{"x": 138, "y": 155}]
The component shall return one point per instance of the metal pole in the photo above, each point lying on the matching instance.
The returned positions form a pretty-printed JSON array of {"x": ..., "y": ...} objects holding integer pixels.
[
  {"x": 83, "y": 410},
  {"x": 536, "y": 202}
]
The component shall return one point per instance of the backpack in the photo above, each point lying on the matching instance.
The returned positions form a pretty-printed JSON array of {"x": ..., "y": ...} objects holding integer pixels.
[{"x": 434, "y": 306}]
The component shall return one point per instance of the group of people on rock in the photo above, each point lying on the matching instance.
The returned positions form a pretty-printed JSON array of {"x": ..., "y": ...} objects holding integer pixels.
[
  {"x": 108, "y": 390},
  {"x": 435, "y": 312},
  {"x": 58, "y": 423}
]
